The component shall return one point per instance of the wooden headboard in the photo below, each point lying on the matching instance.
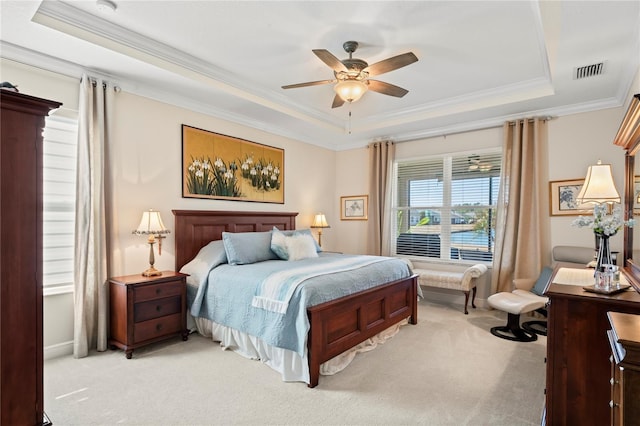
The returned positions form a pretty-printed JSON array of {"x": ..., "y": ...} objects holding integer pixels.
[{"x": 196, "y": 228}]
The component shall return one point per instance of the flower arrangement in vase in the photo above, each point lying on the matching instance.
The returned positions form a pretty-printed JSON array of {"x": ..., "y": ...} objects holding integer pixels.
[{"x": 605, "y": 224}]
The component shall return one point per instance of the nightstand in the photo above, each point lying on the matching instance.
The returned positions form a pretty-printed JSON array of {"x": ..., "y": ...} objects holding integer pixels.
[{"x": 146, "y": 310}]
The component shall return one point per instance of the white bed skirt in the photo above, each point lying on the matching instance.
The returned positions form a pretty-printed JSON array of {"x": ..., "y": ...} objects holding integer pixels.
[{"x": 291, "y": 366}]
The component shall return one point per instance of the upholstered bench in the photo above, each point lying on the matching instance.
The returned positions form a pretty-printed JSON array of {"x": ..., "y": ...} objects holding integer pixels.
[{"x": 464, "y": 281}]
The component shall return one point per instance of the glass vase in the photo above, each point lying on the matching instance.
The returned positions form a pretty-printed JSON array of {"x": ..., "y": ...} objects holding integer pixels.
[{"x": 604, "y": 251}]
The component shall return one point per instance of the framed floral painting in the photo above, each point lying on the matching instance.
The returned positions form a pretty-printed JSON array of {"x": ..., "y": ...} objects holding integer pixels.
[
  {"x": 563, "y": 198},
  {"x": 354, "y": 207},
  {"x": 222, "y": 167}
]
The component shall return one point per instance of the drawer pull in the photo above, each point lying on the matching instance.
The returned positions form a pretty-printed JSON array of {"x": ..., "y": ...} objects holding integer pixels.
[
  {"x": 613, "y": 404},
  {"x": 611, "y": 381},
  {"x": 158, "y": 308},
  {"x": 158, "y": 290}
]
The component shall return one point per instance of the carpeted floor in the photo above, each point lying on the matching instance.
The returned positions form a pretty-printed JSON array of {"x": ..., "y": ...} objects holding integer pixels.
[{"x": 446, "y": 370}]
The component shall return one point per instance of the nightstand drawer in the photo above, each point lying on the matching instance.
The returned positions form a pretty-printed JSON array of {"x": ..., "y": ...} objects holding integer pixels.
[
  {"x": 150, "y": 309},
  {"x": 155, "y": 291},
  {"x": 156, "y": 327}
]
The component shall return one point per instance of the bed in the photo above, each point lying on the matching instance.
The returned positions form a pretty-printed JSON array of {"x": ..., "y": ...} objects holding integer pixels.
[{"x": 335, "y": 326}]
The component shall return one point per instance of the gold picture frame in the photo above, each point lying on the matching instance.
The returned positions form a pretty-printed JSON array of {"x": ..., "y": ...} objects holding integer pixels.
[
  {"x": 354, "y": 207},
  {"x": 562, "y": 198},
  {"x": 221, "y": 167}
]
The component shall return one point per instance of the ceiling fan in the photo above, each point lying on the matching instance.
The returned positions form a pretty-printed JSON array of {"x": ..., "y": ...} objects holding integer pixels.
[
  {"x": 352, "y": 75},
  {"x": 476, "y": 165}
]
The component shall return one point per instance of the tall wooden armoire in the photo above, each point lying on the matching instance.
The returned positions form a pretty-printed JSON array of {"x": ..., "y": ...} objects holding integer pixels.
[{"x": 22, "y": 120}]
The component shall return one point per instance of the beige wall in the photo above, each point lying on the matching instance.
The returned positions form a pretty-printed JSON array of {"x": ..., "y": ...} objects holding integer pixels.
[{"x": 146, "y": 174}]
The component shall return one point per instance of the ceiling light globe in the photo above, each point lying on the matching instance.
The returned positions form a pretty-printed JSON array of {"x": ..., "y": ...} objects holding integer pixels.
[{"x": 350, "y": 90}]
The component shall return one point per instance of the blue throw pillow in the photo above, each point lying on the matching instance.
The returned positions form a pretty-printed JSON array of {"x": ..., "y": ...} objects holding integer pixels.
[
  {"x": 543, "y": 280},
  {"x": 243, "y": 248}
]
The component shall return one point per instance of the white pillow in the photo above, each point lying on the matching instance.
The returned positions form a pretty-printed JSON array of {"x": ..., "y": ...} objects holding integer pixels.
[
  {"x": 279, "y": 244},
  {"x": 301, "y": 246}
]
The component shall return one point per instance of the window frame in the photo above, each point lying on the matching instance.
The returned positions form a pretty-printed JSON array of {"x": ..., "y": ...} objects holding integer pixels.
[{"x": 445, "y": 210}]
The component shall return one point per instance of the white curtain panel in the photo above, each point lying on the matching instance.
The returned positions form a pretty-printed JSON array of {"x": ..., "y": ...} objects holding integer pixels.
[{"x": 91, "y": 237}]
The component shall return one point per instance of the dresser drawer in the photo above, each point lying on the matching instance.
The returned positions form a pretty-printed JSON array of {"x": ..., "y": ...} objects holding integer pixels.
[
  {"x": 158, "y": 327},
  {"x": 150, "y": 309},
  {"x": 156, "y": 291}
]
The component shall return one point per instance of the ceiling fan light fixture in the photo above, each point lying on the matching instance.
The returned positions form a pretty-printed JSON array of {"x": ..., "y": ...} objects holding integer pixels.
[{"x": 350, "y": 90}]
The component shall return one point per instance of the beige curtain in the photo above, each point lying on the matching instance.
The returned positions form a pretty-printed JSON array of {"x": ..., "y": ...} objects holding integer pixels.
[
  {"x": 522, "y": 245},
  {"x": 91, "y": 233},
  {"x": 381, "y": 157}
]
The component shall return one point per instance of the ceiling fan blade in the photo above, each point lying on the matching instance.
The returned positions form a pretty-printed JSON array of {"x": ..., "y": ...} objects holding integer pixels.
[
  {"x": 328, "y": 58},
  {"x": 387, "y": 89},
  {"x": 337, "y": 102},
  {"x": 391, "y": 64},
  {"x": 309, "y": 83}
]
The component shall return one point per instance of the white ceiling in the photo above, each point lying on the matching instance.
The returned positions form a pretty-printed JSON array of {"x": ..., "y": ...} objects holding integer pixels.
[{"x": 480, "y": 62}]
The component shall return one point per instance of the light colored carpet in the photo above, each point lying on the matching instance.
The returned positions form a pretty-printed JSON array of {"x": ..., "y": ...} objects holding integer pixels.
[{"x": 446, "y": 370}]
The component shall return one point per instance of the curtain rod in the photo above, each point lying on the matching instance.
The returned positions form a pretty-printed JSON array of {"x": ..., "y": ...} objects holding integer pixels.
[{"x": 474, "y": 129}]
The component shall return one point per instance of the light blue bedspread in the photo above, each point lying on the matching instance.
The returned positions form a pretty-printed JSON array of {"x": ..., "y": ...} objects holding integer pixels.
[{"x": 226, "y": 297}]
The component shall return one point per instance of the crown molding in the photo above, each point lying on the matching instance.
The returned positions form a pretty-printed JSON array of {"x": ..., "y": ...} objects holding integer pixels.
[{"x": 75, "y": 22}]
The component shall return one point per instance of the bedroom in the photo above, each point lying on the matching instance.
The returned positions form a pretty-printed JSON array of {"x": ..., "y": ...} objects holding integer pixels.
[{"x": 147, "y": 151}]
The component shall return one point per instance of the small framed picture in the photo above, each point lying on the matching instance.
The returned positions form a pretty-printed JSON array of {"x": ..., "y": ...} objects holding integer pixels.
[
  {"x": 563, "y": 198},
  {"x": 354, "y": 207}
]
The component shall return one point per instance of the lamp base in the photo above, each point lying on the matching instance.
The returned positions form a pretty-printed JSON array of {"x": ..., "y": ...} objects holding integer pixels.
[{"x": 151, "y": 272}]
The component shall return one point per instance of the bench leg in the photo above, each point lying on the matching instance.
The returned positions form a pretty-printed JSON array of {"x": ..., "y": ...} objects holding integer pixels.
[
  {"x": 466, "y": 301},
  {"x": 473, "y": 297}
]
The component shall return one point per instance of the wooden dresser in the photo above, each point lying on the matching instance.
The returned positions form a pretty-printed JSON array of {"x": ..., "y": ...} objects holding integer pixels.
[
  {"x": 145, "y": 310},
  {"x": 624, "y": 338},
  {"x": 22, "y": 121},
  {"x": 578, "y": 368}
]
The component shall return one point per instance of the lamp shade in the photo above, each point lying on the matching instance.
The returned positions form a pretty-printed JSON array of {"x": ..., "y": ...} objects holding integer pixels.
[
  {"x": 151, "y": 223},
  {"x": 350, "y": 90},
  {"x": 319, "y": 221},
  {"x": 598, "y": 186}
]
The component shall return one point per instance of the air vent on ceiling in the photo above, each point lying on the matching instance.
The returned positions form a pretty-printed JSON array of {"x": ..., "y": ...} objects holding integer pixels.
[{"x": 588, "y": 71}]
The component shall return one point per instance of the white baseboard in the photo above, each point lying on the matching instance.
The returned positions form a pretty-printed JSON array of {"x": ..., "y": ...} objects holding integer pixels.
[{"x": 58, "y": 350}]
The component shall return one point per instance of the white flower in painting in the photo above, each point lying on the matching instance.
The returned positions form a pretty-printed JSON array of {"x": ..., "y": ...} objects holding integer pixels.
[
  {"x": 276, "y": 170},
  {"x": 265, "y": 172},
  {"x": 206, "y": 165},
  {"x": 199, "y": 173},
  {"x": 268, "y": 184},
  {"x": 245, "y": 166},
  {"x": 249, "y": 160},
  {"x": 218, "y": 163},
  {"x": 274, "y": 177},
  {"x": 253, "y": 172},
  {"x": 228, "y": 174}
]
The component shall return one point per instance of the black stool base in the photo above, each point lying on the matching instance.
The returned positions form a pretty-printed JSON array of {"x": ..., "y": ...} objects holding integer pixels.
[
  {"x": 537, "y": 327},
  {"x": 512, "y": 331}
]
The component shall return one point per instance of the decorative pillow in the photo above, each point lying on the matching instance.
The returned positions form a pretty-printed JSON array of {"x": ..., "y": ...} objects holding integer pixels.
[
  {"x": 243, "y": 248},
  {"x": 301, "y": 246},
  {"x": 279, "y": 244},
  {"x": 209, "y": 256},
  {"x": 307, "y": 231}
]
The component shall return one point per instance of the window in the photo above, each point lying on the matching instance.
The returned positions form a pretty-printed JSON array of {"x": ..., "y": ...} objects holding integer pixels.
[
  {"x": 59, "y": 198},
  {"x": 445, "y": 207}
]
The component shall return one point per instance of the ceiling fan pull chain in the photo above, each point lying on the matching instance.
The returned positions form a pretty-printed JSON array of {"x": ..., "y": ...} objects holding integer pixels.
[{"x": 349, "y": 118}]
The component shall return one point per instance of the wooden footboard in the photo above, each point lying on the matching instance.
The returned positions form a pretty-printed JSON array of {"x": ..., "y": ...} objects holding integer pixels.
[{"x": 341, "y": 324}]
